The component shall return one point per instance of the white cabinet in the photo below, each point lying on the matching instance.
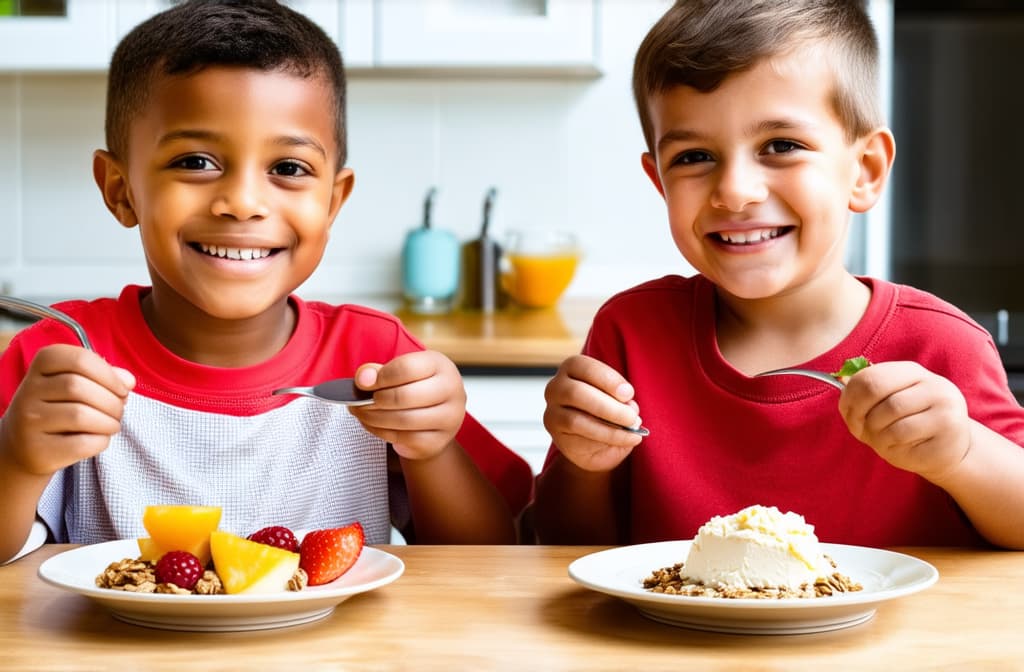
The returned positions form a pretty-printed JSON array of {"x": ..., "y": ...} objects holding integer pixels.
[
  {"x": 497, "y": 34},
  {"x": 82, "y": 39},
  {"x": 512, "y": 408},
  {"x": 422, "y": 35}
]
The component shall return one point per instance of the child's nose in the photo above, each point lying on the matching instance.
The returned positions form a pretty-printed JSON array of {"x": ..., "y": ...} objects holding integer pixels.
[
  {"x": 740, "y": 183},
  {"x": 241, "y": 196}
]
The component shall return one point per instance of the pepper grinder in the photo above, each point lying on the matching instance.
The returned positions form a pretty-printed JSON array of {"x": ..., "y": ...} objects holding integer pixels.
[{"x": 481, "y": 281}]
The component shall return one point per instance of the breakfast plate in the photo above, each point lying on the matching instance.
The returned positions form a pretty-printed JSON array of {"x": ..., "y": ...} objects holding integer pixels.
[
  {"x": 885, "y": 575},
  {"x": 76, "y": 571}
]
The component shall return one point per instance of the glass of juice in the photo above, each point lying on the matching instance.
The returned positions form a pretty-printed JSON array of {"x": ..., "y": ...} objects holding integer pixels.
[{"x": 538, "y": 265}]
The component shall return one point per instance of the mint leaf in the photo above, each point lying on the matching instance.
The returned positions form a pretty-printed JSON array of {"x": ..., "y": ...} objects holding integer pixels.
[{"x": 852, "y": 366}]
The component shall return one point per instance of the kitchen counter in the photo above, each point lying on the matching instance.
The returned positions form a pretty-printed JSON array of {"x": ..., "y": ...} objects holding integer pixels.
[{"x": 510, "y": 338}]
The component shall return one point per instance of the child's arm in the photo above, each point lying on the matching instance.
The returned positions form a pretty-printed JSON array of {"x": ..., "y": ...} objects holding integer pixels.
[
  {"x": 574, "y": 501},
  {"x": 917, "y": 420},
  {"x": 419, "y": 405},
  {"x": 66, "y": 409}
]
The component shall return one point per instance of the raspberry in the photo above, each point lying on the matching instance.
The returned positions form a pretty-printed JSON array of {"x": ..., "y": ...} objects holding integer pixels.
[
  {"x": 278, "y": 536},
  {"x": 180, "y": 568}
]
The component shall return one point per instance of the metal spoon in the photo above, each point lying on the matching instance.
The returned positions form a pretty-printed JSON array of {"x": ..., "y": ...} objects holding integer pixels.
[
  {"x": 338, "y": 391},
  {"x": 39, "y": 310},
  {"x": 642, "y": 431},
  {"x": 809, "y": 373}
]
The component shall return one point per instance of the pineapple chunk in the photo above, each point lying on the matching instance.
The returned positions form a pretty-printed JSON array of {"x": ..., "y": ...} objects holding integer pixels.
[
  {"x": 249, "y": 567},
  {"x": 178, "y": 528}
]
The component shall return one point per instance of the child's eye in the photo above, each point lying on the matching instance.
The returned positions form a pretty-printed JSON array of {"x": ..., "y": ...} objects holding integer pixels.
[
  {"x": 194, "y": 162},
  {"x": 781, "y": 147},
  {"x": 692, "y": 156},
  {"x": 289, "y": 169}
]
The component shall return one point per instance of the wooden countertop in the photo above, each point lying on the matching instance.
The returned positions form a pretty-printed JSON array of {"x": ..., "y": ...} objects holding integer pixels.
[
  {"x": 515, "y": 608},
  {"x": 513, "y": 337}
]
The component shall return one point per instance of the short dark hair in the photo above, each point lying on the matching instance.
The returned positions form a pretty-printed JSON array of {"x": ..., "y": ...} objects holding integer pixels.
[
  {"x": 699, "y": 43},
  {"x": 194, "y": 35}
]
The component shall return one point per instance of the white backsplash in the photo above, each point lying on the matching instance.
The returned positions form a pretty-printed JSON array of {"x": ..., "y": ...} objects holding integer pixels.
[{"x": 562, "y": 152}]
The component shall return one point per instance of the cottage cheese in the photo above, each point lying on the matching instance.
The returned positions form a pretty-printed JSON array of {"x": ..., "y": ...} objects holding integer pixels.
[{"x": 758, "y": 547}]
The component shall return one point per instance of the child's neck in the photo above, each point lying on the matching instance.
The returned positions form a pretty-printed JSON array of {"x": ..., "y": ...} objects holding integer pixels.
[
  {"x": 763, "y": 334},
  {"x": 190, "y": 334}
]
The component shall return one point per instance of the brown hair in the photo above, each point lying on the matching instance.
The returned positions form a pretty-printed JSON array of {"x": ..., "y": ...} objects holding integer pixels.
[
  {"x": 699, "y": 43},
  {"x": 194, "y": 35}
]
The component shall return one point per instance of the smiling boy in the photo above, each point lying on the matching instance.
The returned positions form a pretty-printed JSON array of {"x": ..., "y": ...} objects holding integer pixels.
[
  {"x": 764, "y": 134},
  {"x": 227, "y": 151}
]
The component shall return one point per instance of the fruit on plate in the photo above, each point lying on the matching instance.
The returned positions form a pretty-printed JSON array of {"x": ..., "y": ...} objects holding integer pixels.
[
  {"x": 178, "y": 528},
  {"x": 246, "y": 566},
  {"x": 327, "y": 554},
  {"x": 276, "y": 535},
  {"x": 180, "y": 568}
]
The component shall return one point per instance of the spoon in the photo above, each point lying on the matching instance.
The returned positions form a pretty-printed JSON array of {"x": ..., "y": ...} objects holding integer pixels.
[
  {"x": 39, "y": 310},
  {"x": 641, "y": 431},
  {"x": 338, "y": 391},
  {"x": 809, "y": 373}
]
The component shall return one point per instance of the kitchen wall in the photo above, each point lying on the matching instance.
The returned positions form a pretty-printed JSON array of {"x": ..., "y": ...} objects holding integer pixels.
[{"x": 563, "y": 152}]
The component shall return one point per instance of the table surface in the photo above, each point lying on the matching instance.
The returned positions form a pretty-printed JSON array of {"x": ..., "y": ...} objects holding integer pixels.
[{"x": 514, "y": 607}]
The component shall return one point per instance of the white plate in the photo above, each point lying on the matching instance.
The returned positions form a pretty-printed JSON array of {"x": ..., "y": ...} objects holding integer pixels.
[
  {"x": 885, "y": 575},
  {"x": 76, "y": 571}
]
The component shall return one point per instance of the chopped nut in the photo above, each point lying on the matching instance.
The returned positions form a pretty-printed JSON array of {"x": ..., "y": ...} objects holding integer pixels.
[
  {"x": 171, "y": 589},
  {"x": 299, "y": 580},
  {"x": 209, "y": 584}
]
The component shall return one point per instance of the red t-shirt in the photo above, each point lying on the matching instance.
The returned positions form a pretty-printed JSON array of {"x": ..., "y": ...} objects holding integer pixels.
[
  {"x": 201, "y": 434},
  {"x": 721, "y": 441}
]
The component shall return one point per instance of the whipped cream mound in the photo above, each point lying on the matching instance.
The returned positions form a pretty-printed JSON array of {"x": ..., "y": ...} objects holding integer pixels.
[{"x": 758, "y": 547}]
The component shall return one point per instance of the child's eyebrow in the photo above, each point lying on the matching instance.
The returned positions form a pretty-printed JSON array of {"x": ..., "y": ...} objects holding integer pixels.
[{"x": 210, "y": 136}]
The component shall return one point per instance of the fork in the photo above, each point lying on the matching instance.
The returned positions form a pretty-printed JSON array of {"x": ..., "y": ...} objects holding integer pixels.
[
  {"x": 808, "y": 373},
  {"x": 39, "y": 310}
]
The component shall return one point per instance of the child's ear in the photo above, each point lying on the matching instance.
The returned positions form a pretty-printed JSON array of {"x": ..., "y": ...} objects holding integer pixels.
[
  {"x": 112, "y": 180},
  {"x": 651, "y": 168},
  {"x": 875, "y": 161},
  {"x": 343, "y": 183}
]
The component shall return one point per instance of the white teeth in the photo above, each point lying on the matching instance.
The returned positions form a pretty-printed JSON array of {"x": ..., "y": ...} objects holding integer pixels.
[
  {"x": 246, "y": 253},
  {"x": 746, "y": 237}
]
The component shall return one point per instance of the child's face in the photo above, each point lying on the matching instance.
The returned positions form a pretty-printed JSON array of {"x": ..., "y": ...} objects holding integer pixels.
[
  {"x": 231, "y": 177},
  {"x": 758, "y": 176}
]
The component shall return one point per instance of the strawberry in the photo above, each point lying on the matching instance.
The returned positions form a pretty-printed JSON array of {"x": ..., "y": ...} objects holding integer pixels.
[
  {"x": 180, "y": 568},
  {"x": 327, "y": 554},
  {"x": 275, "y": 535}
]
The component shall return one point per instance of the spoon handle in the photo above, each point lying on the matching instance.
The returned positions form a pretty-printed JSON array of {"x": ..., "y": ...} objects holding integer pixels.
[{"x": 39, "y": 310}]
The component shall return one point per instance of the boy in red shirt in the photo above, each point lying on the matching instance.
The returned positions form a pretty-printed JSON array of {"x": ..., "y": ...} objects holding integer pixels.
[
  {"x": 764, "y": 133},
  {"x": 226, "y": 149}
]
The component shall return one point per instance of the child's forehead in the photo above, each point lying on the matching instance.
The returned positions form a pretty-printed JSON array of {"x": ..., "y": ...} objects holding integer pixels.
[
  {"x": 235, "y": 90},
  {"x": 233, "y": 100},
  {"x": 782, "y": 87}
]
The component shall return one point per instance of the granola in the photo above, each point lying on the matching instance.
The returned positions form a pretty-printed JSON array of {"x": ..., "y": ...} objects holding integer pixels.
[
  {"x": 672, "y": 581},
  {"x": 136, "y": 575}
]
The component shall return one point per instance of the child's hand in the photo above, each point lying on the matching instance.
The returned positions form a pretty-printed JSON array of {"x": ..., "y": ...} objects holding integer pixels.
[
  {"x": 66, "y": 409},
  {"x": 419, "y": 402},
  {"x": 583, "y": 398},
  {"x": 914, "y": 419}
]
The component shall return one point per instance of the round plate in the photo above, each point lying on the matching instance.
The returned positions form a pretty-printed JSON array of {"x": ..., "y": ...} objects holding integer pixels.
[
  {"x": 885, "y": 575},
  {"x": 76, "y": 571}
]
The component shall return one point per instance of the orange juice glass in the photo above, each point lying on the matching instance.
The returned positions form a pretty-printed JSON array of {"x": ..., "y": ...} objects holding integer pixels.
[{"x": 538, "y": 266}]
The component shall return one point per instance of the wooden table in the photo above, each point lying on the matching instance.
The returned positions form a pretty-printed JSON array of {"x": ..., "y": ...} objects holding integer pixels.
[{"x": 514, "y": 608}]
